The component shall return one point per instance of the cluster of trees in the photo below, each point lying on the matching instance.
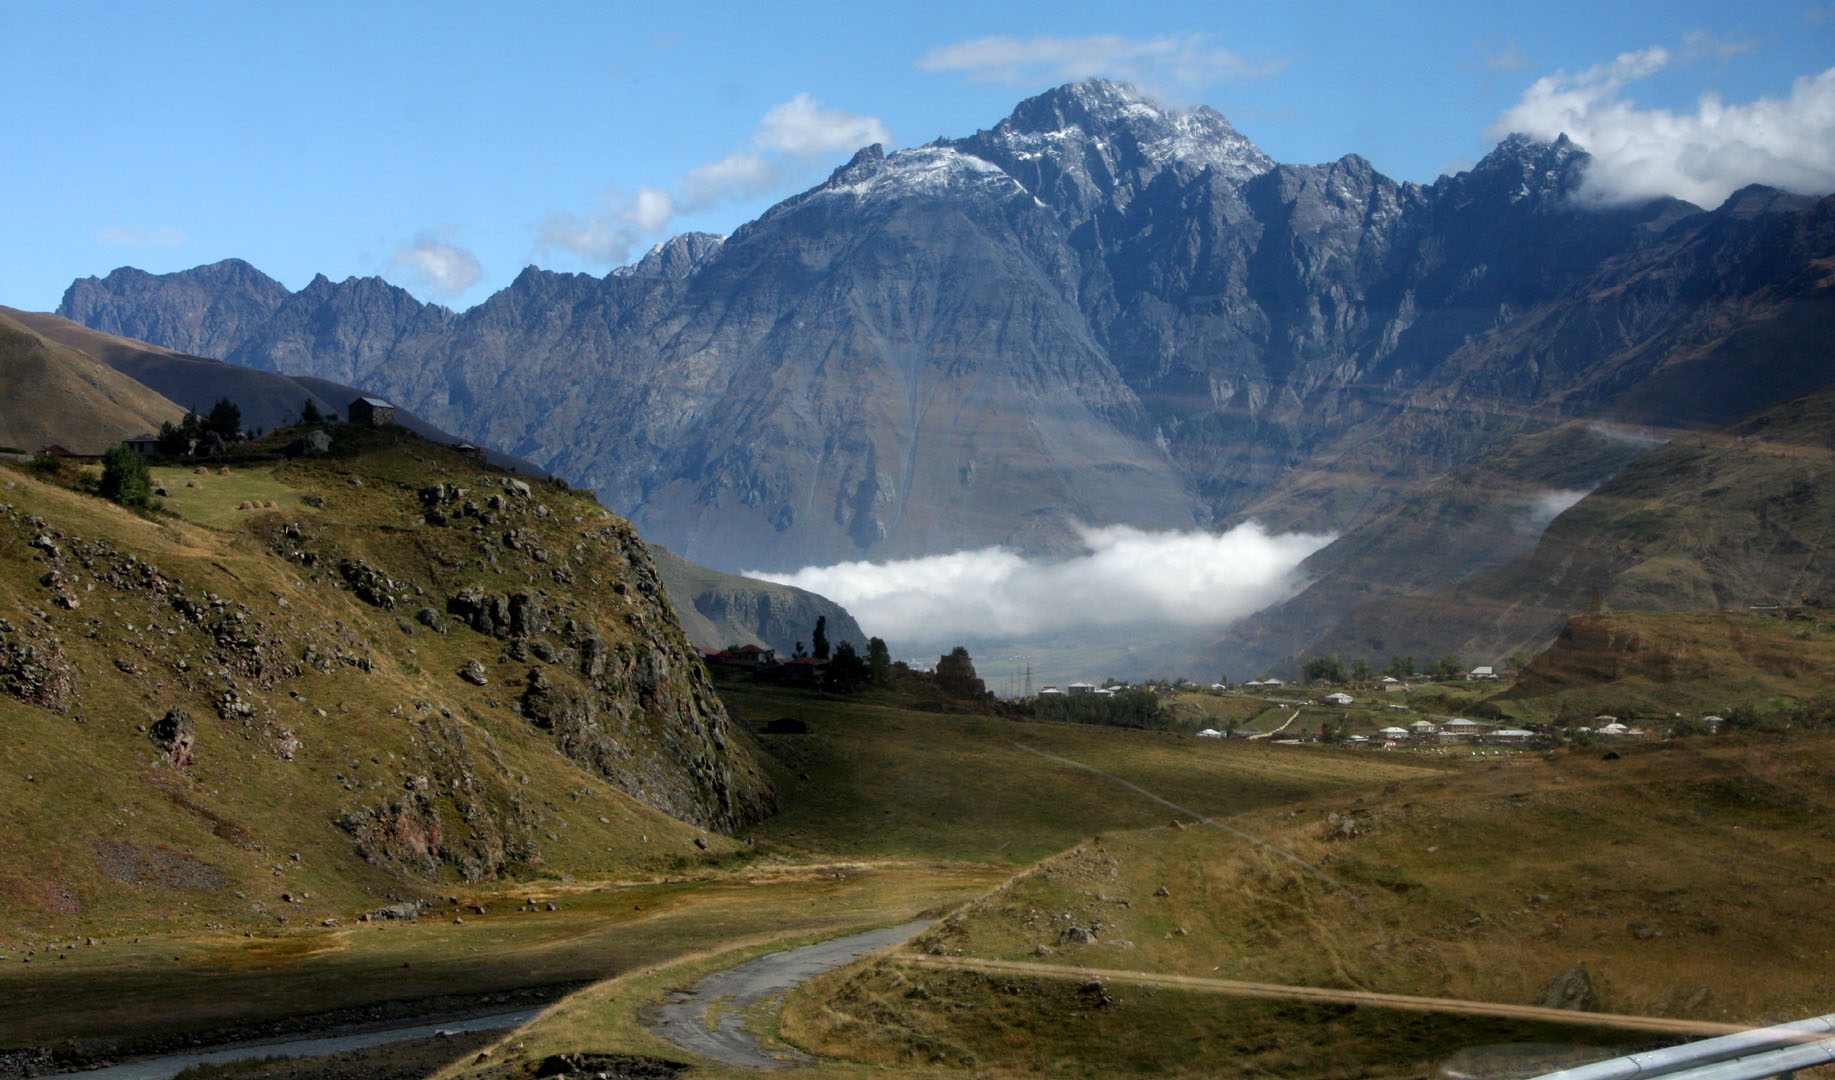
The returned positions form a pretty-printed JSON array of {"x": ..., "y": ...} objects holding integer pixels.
[
  {"x": 224, "y": 421},
  {"x": 848, "y": 671},
  {"x": 309, "y": 414},
  {"x": 1136, "y": 708},
  {"x": 1332, "y": 669}
]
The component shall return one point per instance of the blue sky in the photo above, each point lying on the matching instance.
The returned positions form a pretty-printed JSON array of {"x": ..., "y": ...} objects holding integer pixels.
[{"x": 446, "y": 146}]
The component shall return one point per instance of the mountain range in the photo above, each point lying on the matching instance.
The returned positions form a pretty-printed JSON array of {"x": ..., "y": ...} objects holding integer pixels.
[{"x": 1100, "y": 310}]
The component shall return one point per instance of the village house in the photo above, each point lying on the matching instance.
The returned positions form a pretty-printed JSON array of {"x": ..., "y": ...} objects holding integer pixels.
[
  {"x": 145, "y": 445},
  {"x": 747, "y": 656},
  {"x": 371, "y": 412},
  {"x": 1460, "y": 728},
  {"x": 1339, "y": 699}
]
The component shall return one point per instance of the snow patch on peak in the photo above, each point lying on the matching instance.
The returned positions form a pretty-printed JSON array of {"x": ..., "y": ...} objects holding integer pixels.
[
  {"x": 1116, "y": 121},
  {"x": 924, "y": 170}
]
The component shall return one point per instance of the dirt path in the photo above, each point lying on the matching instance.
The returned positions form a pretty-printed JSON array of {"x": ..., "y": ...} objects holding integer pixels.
[
  {"x": 709, "y": 1018},
  {"x": 1406, "y": 1002}
]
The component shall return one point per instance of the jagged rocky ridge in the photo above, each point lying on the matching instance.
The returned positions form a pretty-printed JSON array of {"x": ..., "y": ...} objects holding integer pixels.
[{"x": 1099, "y": 310}]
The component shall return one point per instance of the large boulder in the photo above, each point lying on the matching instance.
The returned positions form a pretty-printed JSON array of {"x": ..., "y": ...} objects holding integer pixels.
[
  {"x": 1572, "y": 989},
  {"x": 176, "y": 734},
  {"x": 311, "y": 444}
]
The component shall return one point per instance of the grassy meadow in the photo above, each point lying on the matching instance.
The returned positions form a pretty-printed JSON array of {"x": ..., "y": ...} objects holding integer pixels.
[{"x": 1483, "y": 884}]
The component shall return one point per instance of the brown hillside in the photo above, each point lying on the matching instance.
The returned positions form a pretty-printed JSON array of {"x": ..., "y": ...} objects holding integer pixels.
[{"x": 51, "y": 393}]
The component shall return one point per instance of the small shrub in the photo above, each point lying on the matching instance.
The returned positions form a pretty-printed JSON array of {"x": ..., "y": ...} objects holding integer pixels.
[{"x": 125, "y": 478}]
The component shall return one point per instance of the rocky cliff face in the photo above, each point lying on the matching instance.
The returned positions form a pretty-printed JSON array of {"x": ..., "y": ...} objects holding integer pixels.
[{"x": 1099, "y": 310}]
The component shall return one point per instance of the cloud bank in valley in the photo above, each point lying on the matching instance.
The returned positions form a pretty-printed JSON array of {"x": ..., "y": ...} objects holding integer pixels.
[
  {"x": 1125, "y": 577},
  {"x": 1702, "y": 156},
  {"x": 788, "y": 141}
]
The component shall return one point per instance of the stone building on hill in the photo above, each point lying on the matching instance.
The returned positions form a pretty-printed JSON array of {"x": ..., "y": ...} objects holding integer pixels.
[{"x": 371, "y": 412}]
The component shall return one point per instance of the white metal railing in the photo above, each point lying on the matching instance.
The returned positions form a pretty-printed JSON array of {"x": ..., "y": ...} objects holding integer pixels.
[{"x": 1748, "y": 1055}]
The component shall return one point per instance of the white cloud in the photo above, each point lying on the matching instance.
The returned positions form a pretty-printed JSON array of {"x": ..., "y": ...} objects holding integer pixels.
[
  {"x": 790, "y": 139},
  {"x": 134, "y": 236},
  {"x": 1504, "y": 56},
  {"x": 1126, "y": 577},
  {"x": 1702, "y": 156},
  {"x": 802, "y": 128},
  {"x": 611, "y": 235},
  {"x": 439, "y": 265},
  {"x": 1171, "y": 63}
]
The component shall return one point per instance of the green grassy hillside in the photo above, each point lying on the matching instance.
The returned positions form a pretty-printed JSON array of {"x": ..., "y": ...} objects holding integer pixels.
[
  {"x": 222, "y": 713},
  {"x": 1661, "y": 665}
]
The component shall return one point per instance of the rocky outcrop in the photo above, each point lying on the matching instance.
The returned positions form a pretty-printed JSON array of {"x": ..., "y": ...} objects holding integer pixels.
[{"x": 176, "y": 734}]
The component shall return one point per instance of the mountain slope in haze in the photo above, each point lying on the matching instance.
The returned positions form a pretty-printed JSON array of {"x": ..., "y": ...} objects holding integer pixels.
[
  {"x": 51, "y": 393},
  {"x": 1448, "y": 530},
  {"x": 1731, "y": 517},
  {"x": 718, "y": 610}
]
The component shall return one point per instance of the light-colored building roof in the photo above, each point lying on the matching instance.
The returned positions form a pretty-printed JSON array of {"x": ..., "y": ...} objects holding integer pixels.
[{"x": 376, "y": 402}]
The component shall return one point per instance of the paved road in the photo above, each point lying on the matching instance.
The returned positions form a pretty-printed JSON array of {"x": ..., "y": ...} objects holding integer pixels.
[
  {"x": 684, "y": 1020},
  {"x": 161, "y": 1068}
]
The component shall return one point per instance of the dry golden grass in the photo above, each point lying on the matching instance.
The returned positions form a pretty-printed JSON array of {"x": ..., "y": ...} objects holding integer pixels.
[{"x": 1691, "y": 881}]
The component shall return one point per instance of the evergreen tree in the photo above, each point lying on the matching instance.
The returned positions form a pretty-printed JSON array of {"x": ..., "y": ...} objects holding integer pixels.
[
  {"x": 818, "y": 641},
  {"x": 956, "y": 675},
  {"x": 309, "y": 413},
  {"x": 847, "y": 672},
  {"x": 172, "y": 441},
  {"x": 225, "y": 419},
  {"x": 879, "y": 662}
]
